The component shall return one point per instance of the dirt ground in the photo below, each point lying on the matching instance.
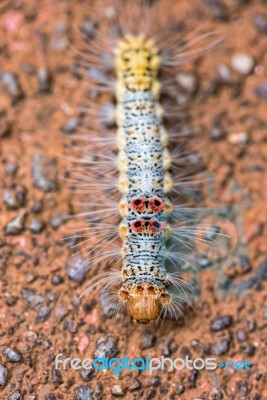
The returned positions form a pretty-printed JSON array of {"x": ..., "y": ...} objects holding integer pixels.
[{"x": 223, "y": 102}]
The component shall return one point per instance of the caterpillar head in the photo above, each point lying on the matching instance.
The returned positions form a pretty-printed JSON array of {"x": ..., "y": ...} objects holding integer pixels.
[{"x": 144, "y": 301}]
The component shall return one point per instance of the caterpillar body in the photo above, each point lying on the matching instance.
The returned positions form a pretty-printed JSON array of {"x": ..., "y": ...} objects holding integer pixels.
[{"x": 146, "y": 288}]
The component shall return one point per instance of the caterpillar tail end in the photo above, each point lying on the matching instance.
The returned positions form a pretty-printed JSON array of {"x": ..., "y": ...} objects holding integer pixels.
[{"x": 144, "y": 301}]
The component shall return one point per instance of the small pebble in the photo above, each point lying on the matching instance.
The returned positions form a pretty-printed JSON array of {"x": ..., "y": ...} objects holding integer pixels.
[
  {"x": 106, "y": 346},
  {"x": 192, "y": 378},
  {"x": 87, "y": 27},
  {"x": 12, "y": 355},
  {"x": 106, "y": 305},
  {"x": 14, "y": 197},
  {"x": 37, "y": 207},
  {"x": 36, "y": 226},
  {"x": 76, "y": 268},
  {"x": 187, "y": 81},
  {"x": 44, "y": 173},
  {"x": 147, "y": 340},
  {"x": 241, "y": 335},
  {"x": 44, "y": 80},
  {"x": 155, "y": 381},
  {"x": 56, "y": 376},
  {"x": 11, "y": 85},
  {"x": 248, "y": 349},
  {"x": 238, "y": 138},
  {"x": 221, "y": 347},
  {"x": 217, "y": 8},
  {"x": 225, "y": 74},
  {"x": 117, "y": 390},
  {"x": 149, "y": 394},
  {"x": 179, "y": 388},
  {"x": 261, "y": 90},
  {"x": 3, "y": 375},
  {"x": 59, "y": 38},
  {"x": 16, "y": 224},
  {"x": 242, "y": 63},
  {"x": 134, "y": 385},
  {"x": 84, "y": 392},
  {"x": 108, "y": 115},
  {"x": 217, "y": 132},
  {"x": 221, "y": 323},
  {"x": 43, "y": 312},
  {"x": 87, "y": 374},
  {"x": 58, "y": 220},
  {"x": 71, "y": 124},
  {"x": 56, "y": 279},
  {"x": 260, "y": 22},
  {"x": 33, "y": 298},
  {"x": 15, "y": 395}
]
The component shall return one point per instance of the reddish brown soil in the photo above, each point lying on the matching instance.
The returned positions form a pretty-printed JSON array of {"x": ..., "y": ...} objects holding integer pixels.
[{"x": 53, "y": 324}]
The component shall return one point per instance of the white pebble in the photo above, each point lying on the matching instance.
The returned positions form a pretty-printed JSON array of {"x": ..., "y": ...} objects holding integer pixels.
[
  {"x": 242, "y": 63},
  {"x": 238, "y": 138},
  {"x": 187, "y": 80}
]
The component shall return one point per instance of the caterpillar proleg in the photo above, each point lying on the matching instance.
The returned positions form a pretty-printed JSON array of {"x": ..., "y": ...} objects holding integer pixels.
[{"x": 131, "y": 173}]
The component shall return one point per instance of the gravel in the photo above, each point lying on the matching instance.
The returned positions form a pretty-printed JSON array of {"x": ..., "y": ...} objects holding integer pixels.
[
  {"x": 84, "y": 392},
  {"x": 260, "y": 23},
  {"x": 117, "y": 390},
  {"x": 3, "y": 375},
  {"x": 16, "y": 224},
  {"x": 242, "y": 63},
  {"x": 70, "y": 125},
  {"x": 134, "y": 385},
  {"x": 261, "y": 90},
  {"x": 147, "y": 340},
  {"x": 11, "y": 354},
  {"x": 44, "y": 173},
  {"x": 187, "y": 81},
  {"x": 36, "y": 225},
  {"x": 44, "y": 80},
  {"x": 75, "y": 268},
  {"x": 221, "y": 347},
  {"x": 15, "y": 196},
  {"x": 9, "y": 81},
  {"x": 106, "y": 346},
  {"x": 221, "y": 323}
]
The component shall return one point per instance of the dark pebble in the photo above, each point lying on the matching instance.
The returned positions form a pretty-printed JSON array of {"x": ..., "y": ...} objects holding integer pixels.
[
  {"x": 178, "y": 388},
  {"x": 44, "y": 80},
  {"x": 58, "y": 220},
  {"x": 15, "y": 395},
  {"x": 217, "y": 132},
  {"x": 98, "y": 391},
  {"x": 37, "y": 207},
  {"x": 192, "y": 378},
  {"x": 169, "y": 347},
  {"x": 12, "y": 355},
  {"x": 44, "y": 173},
  {"x": 106, "y": 346},
  {"x": 248, "y": 349},
  {"x": 221, "y": 323},
  {"x": 221, "y": 347},
  {"x": 33, "y": 298},
  {"x": 87, "y": 27},
  {"x": 28, "y": 68},
  {"x": 147, "y": 340},
  {"x": 108, "y": 114},
  {"x": 11, "y": 168},
  {"x": 117, "y": 390},
  {"x": 265, "y": 313},
  {"x": 154, "y": 381},
  {"x": 258, "y": 277},
  {"x": 149, "y": 394},
  {"x": 43, "y": 312},
  {"x": 56, "y": 376},
  {"x": 14, "y": 197},
  {"x": 5, "y": 128},
  {"x": 61, "y": 311},
  {"x": 242, "y": 387},
  {"x": 70, "y": 125},
  {"x": 87, "y": 374},
  {"x": 87, "y": 307},
  {"x": 16, "y": 224},
  {"x": 185, "y": 351},
  {"x": 75, "y": 268},
  {"x": 217, "y": 8},
  {"x": 251, "y": 325},
  {"x": 3, "y": 375},
  {"x": 261, "y": 90},
  {"x": 260, "y": 22},
  {"x": 134, "y": 385},
  {"x": 36, "y": 226},
  {"x": 11, "y": 85},
  {"x": 84, "y": 392},
  {"x": 56, "y": 279},
  {"x": 241, "y": 335}
]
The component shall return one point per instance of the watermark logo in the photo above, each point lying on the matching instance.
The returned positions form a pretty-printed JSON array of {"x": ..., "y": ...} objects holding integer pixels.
[{"x": 116, "y": 365}]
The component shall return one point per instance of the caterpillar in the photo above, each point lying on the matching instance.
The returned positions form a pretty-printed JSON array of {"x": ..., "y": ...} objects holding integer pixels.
[{"x": 132, "y": 174}]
